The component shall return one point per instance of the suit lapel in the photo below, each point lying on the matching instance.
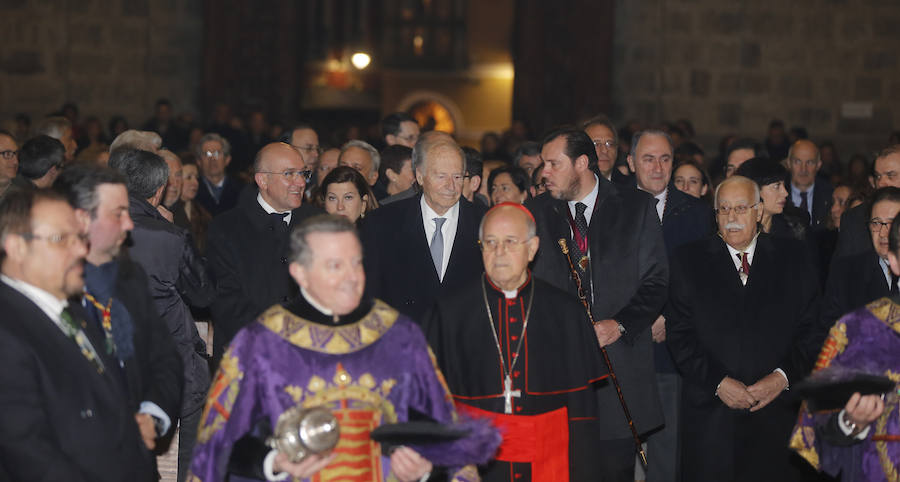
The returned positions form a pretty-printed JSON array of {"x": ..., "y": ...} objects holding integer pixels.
[
  {"x": 723, "y": 268},
  {"x": 414, "y": 230},
  {"x": 461, "y": 239}
]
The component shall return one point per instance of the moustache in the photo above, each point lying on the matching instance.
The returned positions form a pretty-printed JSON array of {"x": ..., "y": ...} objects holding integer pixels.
[{"x": 733, "y": 225}]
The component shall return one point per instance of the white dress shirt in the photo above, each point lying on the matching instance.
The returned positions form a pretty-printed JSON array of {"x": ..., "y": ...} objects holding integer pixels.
[
  {"x": 588, "y": 201},
  {"x": 270, "y": 210},
  {"x": 448, "y": 230},
  {"x": 795, "y": 198}
]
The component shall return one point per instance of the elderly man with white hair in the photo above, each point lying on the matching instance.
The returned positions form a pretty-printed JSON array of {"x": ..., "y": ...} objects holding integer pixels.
[
  {"x": 422, "y": 247},
  {"x": 741, "y": 328}
]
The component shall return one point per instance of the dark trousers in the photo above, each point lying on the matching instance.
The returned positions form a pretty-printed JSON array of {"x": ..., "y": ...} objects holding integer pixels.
[
  {"x": 187, "y": 437},
  {"x": 663, "y": 452},
  {"x": 617, "y": 458}
]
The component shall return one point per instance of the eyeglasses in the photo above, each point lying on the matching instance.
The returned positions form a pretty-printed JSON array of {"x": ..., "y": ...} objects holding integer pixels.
[
  {"x": 291, "y": 174},
  {"x": 309, "y": 148},
  {"x": 876, "y": 225},
  {"x": 7, "y": 154},
  {"x": 494, "y": 244},
  {"x": 607, "y": 144},
  {"x": 739, "y": 210},
  {"x": 211, "y": 154},
  {"x": 66, "y": 239}
]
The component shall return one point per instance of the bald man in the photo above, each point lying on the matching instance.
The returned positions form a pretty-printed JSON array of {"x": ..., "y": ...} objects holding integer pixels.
[
  {"x": 741, "y": 326},
  {"x": 248, "y": 245},
  {"x": 546, "y": 390},
  {"x": 808, "y": 192}
]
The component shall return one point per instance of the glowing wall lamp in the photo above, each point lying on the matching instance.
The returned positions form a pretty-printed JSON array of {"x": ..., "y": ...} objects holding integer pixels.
[{"x": 360, "y": 60}]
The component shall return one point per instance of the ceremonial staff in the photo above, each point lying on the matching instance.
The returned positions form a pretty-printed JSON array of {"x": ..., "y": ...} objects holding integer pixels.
[{"x": 583, "y": 297}]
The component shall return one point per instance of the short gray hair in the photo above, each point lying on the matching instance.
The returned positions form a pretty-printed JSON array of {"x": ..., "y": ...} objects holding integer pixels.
[
  {"x": 53, "y": 126},
  {"x": 301, "y": 253},
  {"x": 212, "y": 136},
  {"x": 135, "y": 139},
  {"x": 736, "y": 179},
  {"x": 428, "y": 142},
  {"x": 144, "y": 171},
  {"x": 653, "y": 132},
  {"x": 373, "y": 153}
]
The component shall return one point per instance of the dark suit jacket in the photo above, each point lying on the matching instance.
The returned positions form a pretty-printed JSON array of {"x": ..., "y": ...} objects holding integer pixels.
[
  {"x": 718, "y": 327},
  {"x": 155, "y": 373},
  {"x": 248, "y": 256},
  {"x": 399, "y": 269},
  {"x": 177, "y": 279},
  {"x": 854, "y": 237},
  {"x": 685, "y": 219},
  {"x": 821, "y": 202},
  {"x": 59, "y": 418},
  {"x": 231, "y": 192},
  {"x": 630, "y": 281},
  {"x": 854, "y": 281}
]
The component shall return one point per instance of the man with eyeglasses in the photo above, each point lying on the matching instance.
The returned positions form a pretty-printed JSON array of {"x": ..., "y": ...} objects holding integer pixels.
[
  {"x": 400, "y": 128},
  {"x": 248, "y": 246},
  {"x": 9, "y": 161},
  {"x": 606, "y": 142},
  {"x": 304, "y": 139},
  {"x": 521, "y": 352},
  {"x": 64, "y": 414},
  {"x": 420, "y": 248},
  {"x": 809, "y": 192},
  {"x": 854, "y": 235},
  {"x": 859, "y": 279},
  {"x": 218, "y": 191},
  {"x": 741, "y": 326}
]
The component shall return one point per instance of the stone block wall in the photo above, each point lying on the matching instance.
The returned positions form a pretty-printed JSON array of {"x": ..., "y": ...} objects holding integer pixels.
[
  {"x": 732, "y": 66},
  {"x": 109, "y": 56}
]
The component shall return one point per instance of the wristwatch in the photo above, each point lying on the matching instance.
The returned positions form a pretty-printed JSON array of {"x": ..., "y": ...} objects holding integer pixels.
[{"x": 621, "y": 329}]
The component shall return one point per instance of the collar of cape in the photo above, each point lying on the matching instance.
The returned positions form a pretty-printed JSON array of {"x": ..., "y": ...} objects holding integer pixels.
[
  {"x": 332, "y": 340},
  {"x": 888, "y": 311}
]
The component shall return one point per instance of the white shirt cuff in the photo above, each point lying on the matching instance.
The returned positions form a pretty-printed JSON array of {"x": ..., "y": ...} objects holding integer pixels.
[
  {"x": 153, "y": 409},
  {"x": 268, "y": 464},
  {"x": 847, "y": 430},
  {"x": 425, "y": 477},
  {"x": 779, "y": 370}
]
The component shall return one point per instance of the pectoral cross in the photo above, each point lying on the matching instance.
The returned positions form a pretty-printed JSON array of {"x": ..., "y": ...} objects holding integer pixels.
[{"x": 508, "y": 394}]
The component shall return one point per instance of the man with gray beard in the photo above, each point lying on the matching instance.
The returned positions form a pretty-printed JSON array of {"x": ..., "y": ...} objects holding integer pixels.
[{"x": 741, "y": 326}]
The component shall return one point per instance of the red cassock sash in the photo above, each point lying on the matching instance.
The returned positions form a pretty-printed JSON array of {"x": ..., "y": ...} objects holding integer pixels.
[{"x": 540, "y": 440}]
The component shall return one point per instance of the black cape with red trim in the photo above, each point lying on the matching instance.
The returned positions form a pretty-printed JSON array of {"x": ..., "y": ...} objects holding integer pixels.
[{"x": 560, "y": 364}]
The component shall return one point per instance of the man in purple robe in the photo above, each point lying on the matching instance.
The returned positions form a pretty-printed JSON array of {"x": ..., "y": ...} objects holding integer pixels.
[
  {"x": 361, "y": 359},
  {"x": 861, "y": 441}
]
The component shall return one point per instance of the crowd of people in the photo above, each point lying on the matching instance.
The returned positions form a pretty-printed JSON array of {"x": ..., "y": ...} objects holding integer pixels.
[{"x": 597, "y": 304}]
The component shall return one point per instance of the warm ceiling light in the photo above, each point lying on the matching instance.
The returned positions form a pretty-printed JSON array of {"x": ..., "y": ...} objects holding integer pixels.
[{"x": 360, "y": 60}]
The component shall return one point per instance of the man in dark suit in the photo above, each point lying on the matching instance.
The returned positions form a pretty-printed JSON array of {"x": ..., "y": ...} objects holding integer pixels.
[
  {"x": 248, "y": 246},
  {"x": 807, "y": 191},
  {"x": 421, "y": 247},
  {"x": 862, "y": 278},
  {"x": 218, "y": 191},
  {"x": 64, "y": 413},
  {"x": 684, "y": 219},
  {"x": 616, "y": 243},
  {"x": 741, "y": 327},
  {"x": 854, "y": 236},
  {"x": 118, "y": 301}
]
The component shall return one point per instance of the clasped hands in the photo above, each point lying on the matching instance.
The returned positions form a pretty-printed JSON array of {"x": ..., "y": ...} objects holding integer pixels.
[
  {"x": 406, "y": 464},
  {"x": 738, "y": 396}
]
